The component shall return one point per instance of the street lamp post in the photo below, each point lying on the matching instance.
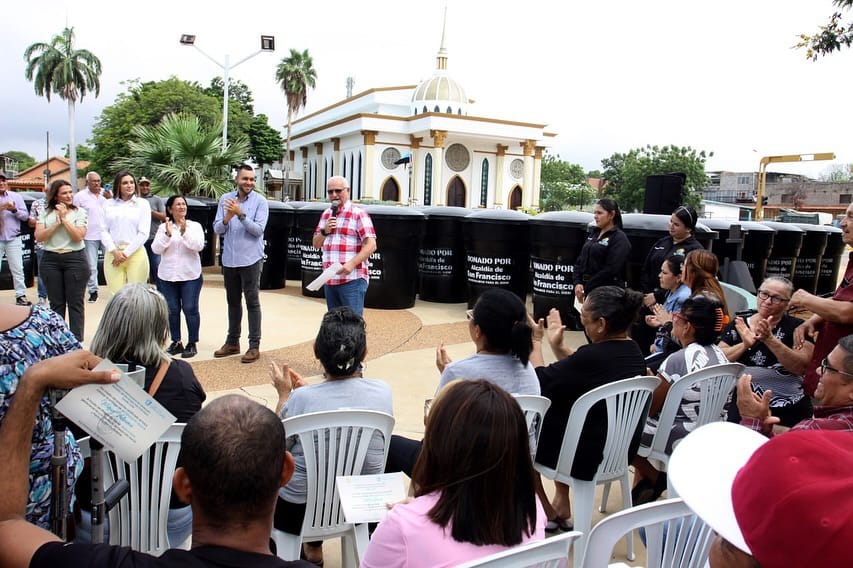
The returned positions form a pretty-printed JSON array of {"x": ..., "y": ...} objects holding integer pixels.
[{"x": 267, "y": 44}]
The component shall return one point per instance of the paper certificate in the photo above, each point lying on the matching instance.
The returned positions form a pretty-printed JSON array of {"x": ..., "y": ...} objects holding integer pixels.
[
  {"x": 327, "y": 275},
  {"x": 122, "y": 416},
  {"x": 364, "y": 498}
]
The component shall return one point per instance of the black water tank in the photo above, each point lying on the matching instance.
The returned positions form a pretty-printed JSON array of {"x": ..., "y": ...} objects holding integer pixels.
[
  {"x": 497, "y": 245},
  {"x": 441, "y": 258},
  {"x": 830, "y": 263},
  {"x": 786, "y": 248},
  {"x": 275, "y": 245},
  {"x": 294, "y": 252},
  {"x": 808, "y": 262},
  {"x": 202, "y": 210},
  {"x": 758, "y": 242},
  {"x": 394, "y": 265},
  {"x": 556, "y": 240}
]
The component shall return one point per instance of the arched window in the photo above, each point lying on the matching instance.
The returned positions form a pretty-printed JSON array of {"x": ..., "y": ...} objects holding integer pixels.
[
  {"x": 484, "y": 182},
  {"x": 436, "y": 109},
  {"x": 425, "y": 108},
  {"x": 449, "y": 110},
  {"x": 358, "y": 179},
  {"x": 428, "y": 180},
  {"x": 460, "y": 111}
]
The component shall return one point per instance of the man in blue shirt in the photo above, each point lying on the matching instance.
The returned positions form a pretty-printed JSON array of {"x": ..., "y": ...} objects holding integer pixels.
[{"x": 241, "y": 219}]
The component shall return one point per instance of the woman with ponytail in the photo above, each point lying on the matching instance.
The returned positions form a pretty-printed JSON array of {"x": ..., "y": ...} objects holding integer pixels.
[
  {"x": 697, "y": 328},
  {"x": 341, "y": 346},
  {"x": 501, "y": 332}
]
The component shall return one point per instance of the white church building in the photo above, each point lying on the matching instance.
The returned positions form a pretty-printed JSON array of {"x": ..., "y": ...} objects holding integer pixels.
[{"x": 419, "y": 145}]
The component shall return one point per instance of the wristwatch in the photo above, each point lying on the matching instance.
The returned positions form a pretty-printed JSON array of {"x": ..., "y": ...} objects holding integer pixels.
[
  {"x": 325, "y": 234},
  {"x": 241, "y": 217}
]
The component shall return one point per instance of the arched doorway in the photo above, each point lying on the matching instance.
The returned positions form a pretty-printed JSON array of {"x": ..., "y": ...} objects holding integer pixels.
[
  {"x": 515, "y": 198},
  {"x": 390, "y": 190},
  {"x": 456, "y": 192}
]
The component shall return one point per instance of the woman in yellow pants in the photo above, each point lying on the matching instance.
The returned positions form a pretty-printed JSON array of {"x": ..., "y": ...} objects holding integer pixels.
[{"x": 127, "y": 218}]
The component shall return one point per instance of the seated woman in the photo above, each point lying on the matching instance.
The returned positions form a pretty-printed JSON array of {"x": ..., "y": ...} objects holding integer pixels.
[
  {"x": 501, "y": 333},
  {"x": 764, "y": 343},
  {"x": 607, "y": 314},
  {"x": 676, "y": 291},
  {"x": 474, "y": 489},
  {"x": 28, "y": 335},
  {"x": 696, "y": 328},
  {"x": 341, "y": 346},
  {"x": 133, "y": 331}
]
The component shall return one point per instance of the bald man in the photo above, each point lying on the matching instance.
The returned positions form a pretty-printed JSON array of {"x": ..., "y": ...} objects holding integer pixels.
[{"x": 346, "y": 235}]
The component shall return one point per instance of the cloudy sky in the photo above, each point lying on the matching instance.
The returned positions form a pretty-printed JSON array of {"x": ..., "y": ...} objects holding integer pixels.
[{"x": 606, "y": 76}]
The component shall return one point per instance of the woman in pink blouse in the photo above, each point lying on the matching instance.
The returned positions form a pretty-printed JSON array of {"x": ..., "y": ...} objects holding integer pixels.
[
  {"x": 178, "y": 242},
  {"x": 473, "y": 483}
]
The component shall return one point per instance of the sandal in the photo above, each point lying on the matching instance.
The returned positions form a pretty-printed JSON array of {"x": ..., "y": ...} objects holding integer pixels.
[{"x": 558, "y": 524}]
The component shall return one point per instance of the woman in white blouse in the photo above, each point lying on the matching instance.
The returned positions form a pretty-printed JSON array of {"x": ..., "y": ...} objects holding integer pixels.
[
  {"x": 178, "y": 242},
  {"x": 127, "y": 220}
]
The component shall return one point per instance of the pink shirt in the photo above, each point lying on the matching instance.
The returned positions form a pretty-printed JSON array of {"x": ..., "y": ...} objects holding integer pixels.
[
  {"x": 94, "y": 206},
  {"x": 408, "y": 538}
]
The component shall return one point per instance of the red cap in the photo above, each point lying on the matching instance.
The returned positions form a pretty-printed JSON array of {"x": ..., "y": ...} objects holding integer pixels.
[{"x": 793, "y": 500}]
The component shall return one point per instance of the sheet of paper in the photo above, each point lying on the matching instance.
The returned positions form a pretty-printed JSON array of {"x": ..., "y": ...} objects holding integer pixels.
[
  {"x": 364, "y": 497},
  {"x": 122, "y": 416},
  {"x": 327, "y": 275}
]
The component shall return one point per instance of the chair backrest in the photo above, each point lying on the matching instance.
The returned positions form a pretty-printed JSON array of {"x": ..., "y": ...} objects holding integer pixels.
[
  {"x": 627, "y": 403},
  {"x": 675, "y": 536},
  {"x": 141, "y": 517},
  {"x": 534, "y": 408},
  {"x": 715, "y": 384},
  {"x": 550, "y": 552},
  {"x": 334, "y": 443}
]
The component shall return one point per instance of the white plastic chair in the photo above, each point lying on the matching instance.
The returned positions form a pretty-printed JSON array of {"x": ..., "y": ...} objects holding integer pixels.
[
  {"x": 334, "y": 443},
  {"x": 140, "y": 519},
  {"x": 627, "y": 406},
  {"x": 675, "y": 536},
  {"x": 715, "y": 383},
  {"x": 550, "y": 552},
  {"x": 534, "y": 408}
]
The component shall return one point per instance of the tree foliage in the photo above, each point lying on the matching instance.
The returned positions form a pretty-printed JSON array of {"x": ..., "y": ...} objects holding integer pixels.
[
  {"x": 625, "y": 174},
  {"x": 183, "y": 155},
  {"x": 834, "y": 36},
  {"x": 266, "y": 146},
  {"x": 562, "y": 184},
  {"x": 837, "y": 173},
  {"x": 25, "y": 161},
  {"x": 84, "y": 153},
  {"x": 295, "y": 74},
  {"x": 58, "y": 68}
]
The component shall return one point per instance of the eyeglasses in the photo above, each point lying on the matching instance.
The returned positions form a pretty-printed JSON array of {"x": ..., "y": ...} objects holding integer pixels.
[
  {"x": 95, "y": 180},
  {"x": 469, "y": 314},
  {"x": 677, "y": 316},
  {"x": 334, "y": 191},
  {"x": 824, "y": 367},
  {"x": 775, "y": 300}
]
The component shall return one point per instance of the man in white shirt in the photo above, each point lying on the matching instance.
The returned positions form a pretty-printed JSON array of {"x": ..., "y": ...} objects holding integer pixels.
[{"x": 93, "y": 201}]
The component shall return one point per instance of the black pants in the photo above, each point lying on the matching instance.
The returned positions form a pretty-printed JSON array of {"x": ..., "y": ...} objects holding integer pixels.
[
  {"x": 402, "y": 455},
  {"x": 65, "y": 276},
  {"x": 239, "y": 282}
]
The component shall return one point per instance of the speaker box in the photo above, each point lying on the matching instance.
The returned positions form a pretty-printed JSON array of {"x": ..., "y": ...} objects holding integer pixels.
[{"x": 664, "y": 194}]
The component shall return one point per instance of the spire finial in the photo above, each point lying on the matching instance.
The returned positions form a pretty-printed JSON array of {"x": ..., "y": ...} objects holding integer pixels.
[{"x": 441, "y": 58}]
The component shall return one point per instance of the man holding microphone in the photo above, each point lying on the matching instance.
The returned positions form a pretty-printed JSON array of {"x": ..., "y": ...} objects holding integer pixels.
[{"x": 346, "y": 235}]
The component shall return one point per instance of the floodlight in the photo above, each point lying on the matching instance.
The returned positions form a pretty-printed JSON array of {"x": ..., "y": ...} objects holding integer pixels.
[
  {"x": 187, "y": 39},
  {"x": 267, "y": 43}
]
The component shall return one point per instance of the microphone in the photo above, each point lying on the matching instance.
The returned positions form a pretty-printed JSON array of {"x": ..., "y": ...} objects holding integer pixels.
[{"x": 334, "y": 209}]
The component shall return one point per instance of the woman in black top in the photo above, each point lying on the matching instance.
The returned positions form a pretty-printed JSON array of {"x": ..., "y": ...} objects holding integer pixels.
[
  {"x": 607, "y": 314},
  {"x": 682, "y": 225},
  {"x": 603, "y": 256}
]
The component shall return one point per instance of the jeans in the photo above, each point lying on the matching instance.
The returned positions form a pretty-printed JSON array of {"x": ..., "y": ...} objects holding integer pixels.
[
  {"x": 92, "y": 248},
  {"x": 65, "y": 276},
  {"x": 41, "y": 287},
  {"x": 134, "y": 269},
  {"x": 350, "y": 294},
  {"x": 153, "y": 262},
  {"x": 182, "y": 296},
  {"x": 14, "y": 256},
  {"x": 243, "y": 280}
]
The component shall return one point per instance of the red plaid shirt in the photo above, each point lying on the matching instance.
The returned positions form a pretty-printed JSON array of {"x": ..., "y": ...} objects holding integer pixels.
[{"x": 353, "y": 226}]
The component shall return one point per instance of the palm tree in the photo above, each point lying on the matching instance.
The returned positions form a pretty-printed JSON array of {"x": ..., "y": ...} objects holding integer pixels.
[
  {"x": 183, "y": 156},
  {"x": 70, "y": 73},
  {"x": 295, "y": 74}
]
